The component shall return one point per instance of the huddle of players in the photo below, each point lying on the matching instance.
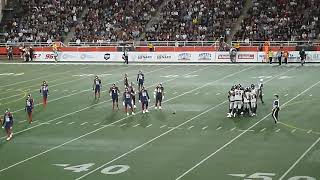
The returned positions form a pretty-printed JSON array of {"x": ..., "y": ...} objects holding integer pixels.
[
  {"x": 243, "y": 101},
  {"x": 129, "y": 94},
  {"x": 7, "y": 122}
]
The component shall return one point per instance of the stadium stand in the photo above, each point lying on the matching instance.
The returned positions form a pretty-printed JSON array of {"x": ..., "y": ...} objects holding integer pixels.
[
  {"x": 195, "y": 20},
  {"x": 44, "y": 20},
  {"x": 281, "y": 20},
  {"x": 115, "y": 20}
]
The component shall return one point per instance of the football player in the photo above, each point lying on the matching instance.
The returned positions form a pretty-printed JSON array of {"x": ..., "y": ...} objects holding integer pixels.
[
  {"x": 44, "y": 90},
  {"x": 133, "y": 94},
  {"x": 125, "y": 80},
  {"x": 29, "y": 107},
  {"x": 159, "y": 96},
  {"x": 231, "y": 101},
  {"x": 127, "y": 101},
  {"x": 96, "y": 87},
  {"x": 8, "y": 123},
  {"x": 114, "y": 93},
  {"x": 260, "y": 93},
  {"x": 253, "y": 100},
  {"x": 140, "y": 80},
  {"x": 238, "y": 99},
  {"x": 246, "y": 101},
  {"x": 144, "y": 99}
]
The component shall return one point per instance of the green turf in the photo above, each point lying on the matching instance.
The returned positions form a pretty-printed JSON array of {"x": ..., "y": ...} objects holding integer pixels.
[{"x": 197, "y": 143}]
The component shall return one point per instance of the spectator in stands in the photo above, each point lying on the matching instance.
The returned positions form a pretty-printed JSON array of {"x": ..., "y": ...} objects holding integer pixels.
[
  {"x": 270, "y": 55},
  {"x": 150, "y": 46},
  {"x": 10, "y": 53}
]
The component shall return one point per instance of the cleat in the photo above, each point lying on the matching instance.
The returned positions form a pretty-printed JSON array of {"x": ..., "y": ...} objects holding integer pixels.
[
  {"x": 8, "y": 138},
  {"x": 234, "y": 115},
  {"x": 160, "y": 107},
  {"x": 133, "y": 113},
  {"x": 156, "y": 107},
  {"x": 147, "y": 111},
  {"x": 134, "y": 106},
  {"x": 143, "y": 112},
  {"x": 127, "y": 114},
  {"x": 241, "y": 113},
  {"x": 229, "y": 116}
]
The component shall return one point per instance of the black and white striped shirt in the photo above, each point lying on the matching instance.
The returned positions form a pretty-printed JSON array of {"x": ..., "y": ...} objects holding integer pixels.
[{"x": 276, "y": 104}]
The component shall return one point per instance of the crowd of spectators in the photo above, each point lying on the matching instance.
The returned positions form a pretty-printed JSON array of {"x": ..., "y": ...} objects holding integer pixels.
[
  {"x": 115, "y": 20},
  {"x": 195, "y": 20},
  {"x": 179, "y": 20},
  {"x": 44, "y": 20},
  {"x": 281, "y": 20}
]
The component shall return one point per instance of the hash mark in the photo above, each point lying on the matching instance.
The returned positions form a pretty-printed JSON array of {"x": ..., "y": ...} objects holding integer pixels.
[
  {"x": 84, "y": 123},
  {"x": 136, "y": 125},
  {"x": 59, "y": 122},
  {"x": 162, "y": 126},
  {"x": 123, "y": 124},
  {"x": 278, "y": 130},
  {"x": 219, "y": 128},
  {"x": 71, "y": 122},
  {"x": 149, "y": 125},
  {"x": 190, "y": 127},
  {"x": 262, "y": 129},
  {"x": 232, "y": 129},
  {"x": 204, "y": 127}
]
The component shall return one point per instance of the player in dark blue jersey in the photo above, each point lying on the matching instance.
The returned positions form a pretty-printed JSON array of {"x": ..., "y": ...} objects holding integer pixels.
[
  {"x": 44, "y": 90},
  {"x": 127, "y": 101},
  {"x": 159, "y": 96},
  {"x": 96, "y": 87},
  {"x": 140, "y": 80},
  {"x": 144, "y": 99},
  {"x": 133, "y": 94},
  {"x": 114, "y": 93},
  {"x": 29, "y": 107},
  {"x": 125, "y": 80},
  {"x": 7, "y": 123}
]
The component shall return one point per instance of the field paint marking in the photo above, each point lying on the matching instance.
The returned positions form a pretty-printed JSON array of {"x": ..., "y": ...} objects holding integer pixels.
[
  {"x": 286, "y": 95},
  {"x": 299, "y": 159},
  {"x": 196, "y": 93},
  {"x": 71, "y": 123},
  {"x": 84, "y": 123},
  {"x": 41, "y": 77},
  {"x": 218, "y": 94},
  {"x": 294, "y": 130},
  {"x": 96, "y": 130},
  {"x": 278, "y": 130},
  {"x": 170, "y": 127},
  {"x": 136, "y": 125},
  {"x": 190, "y": 127},
  {"x": 237, "y": 137},
  {"x": 232, "y": 129},
  {"x": 123, "y": 124},
  {"x": 22, "y": 121},
  {"x": 241, "y": 130},
  {"x": 219, "y": 128},
  {"x": 162, "y": 126},
  {"x": 309, "y": 131},
  {"x": 310, "y": 95},
  {"x": 262, "y": 129},
  {"x": 59, "y": 122},
  {"x": 204, "y": 128},
  {"x": 175, "y": 92},
  {"x": 149, "y": 125},
  {"x": 151, "y": 140},
  {"x": 88, "y": 107},
  {"x": 96, "y": 124},
  {"x": 62, "y": 97}
]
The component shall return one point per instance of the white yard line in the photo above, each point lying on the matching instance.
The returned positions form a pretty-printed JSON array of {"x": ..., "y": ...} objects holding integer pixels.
[
  {"x": 309, "y": 131},
  {"x": 237, "y": 137},
  {"x": 232, "y": 129},
  {"x": 101, "y": 128},
  {"x": 299, "y": 159},
  {"x": 294, "y": 130}
]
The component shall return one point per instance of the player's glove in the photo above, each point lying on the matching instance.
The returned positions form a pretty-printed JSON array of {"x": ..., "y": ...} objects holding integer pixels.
[
  {"x": 110, "y": 94},
  {"x": 123, "y": 103},
  {"x": 2, "y": 127}
]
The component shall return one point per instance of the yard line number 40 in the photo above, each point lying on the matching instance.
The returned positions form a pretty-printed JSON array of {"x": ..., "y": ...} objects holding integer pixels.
[
  {"x": 110, "y": 170},
  {"x": 268, "y": 176}
]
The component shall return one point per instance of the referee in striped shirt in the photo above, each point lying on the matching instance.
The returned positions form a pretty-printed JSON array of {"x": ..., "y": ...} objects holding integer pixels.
[{"x": 275, "y": 108}]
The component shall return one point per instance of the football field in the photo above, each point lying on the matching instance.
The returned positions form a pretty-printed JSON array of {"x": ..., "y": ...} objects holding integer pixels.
[{"x": 77, "y": 137}]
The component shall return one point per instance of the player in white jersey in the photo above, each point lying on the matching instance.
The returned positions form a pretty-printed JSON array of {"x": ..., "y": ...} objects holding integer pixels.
[
  {"x": 246, "y": 101},
  {"x": 231, "y": 101},
  {"x": 253, "y": 101},
  {"x": 238, "y": 99}
]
